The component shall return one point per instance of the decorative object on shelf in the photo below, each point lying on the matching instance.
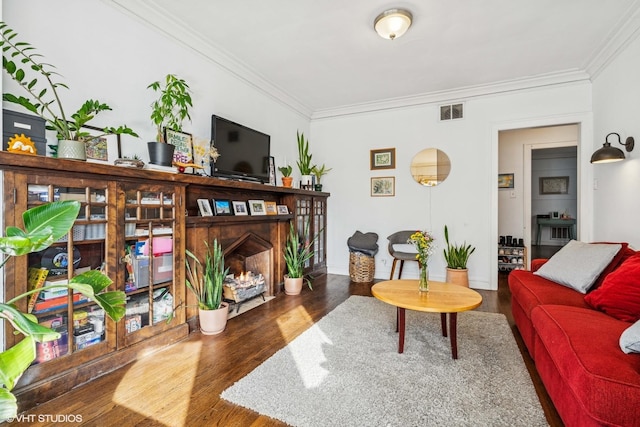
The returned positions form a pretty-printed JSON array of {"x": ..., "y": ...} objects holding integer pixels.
[
  {"x": 424, "y": 244},
  {"x": 456, "y": 258},
  {"x": 240, "y": 208},
  {"x": 282, "y": 209},
  {"x": 22, "y": 145},
  {"x": 222, "y": 207},
  {"x": 206, "y": 282},
  {"x": 182, "y": 141},
  {"x": 304, "y": 161},
  {"x": 392, "y": 23},
  {"x": 297, "y": 251},
  {"x": 169, "y": 111},
  {"x": 204, "y": 207},
  {"x": 383, "y": 186},
  {"x": 44, "y": 225},
  {"x": 257, "y": 207},
  {"x": 505, "y": 180},
  {"x": 319, "y": 172},
  {"x": 272, "y": 170},
  {"x": 129, "y": 163},
  {"x": 287, "y": 179},
  {"x": 44, "y": 100},
  {"x": 608, "y": 154},
  {"x": 270, "y": 207},
  {"x": 384, "y": 158}
]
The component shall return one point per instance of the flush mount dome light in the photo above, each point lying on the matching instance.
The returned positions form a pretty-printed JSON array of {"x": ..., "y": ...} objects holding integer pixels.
[{"x": 393, "y": 23}]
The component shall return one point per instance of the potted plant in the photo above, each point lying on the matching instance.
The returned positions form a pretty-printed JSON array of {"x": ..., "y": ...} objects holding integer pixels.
[
  {"x": 206, "y": 282},
  {"x": 457, "y": 257},
  {"x": 43, "y": 225},
  {"x": 296, "y": 255},
  {"x": 287, "y": 179},
  {"x": 44, "y": 101},
  {"x": 169, "y": 111},
  {"x": 319, "y": 172},
  {"x": 304, "y": 159}
]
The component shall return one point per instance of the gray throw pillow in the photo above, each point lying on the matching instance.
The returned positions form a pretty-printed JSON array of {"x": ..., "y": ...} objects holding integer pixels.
[
  {"x": 577, "y": 265},
  {"x": 630, "y": 339}
]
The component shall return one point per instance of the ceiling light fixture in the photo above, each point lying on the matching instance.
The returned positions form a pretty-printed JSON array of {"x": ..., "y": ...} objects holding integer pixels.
[
  {"x": 608, "y": 154},
  {"x": 392, "y": 23}
]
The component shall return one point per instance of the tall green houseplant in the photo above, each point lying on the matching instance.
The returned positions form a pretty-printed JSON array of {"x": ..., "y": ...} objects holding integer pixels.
[
  {"x": 304, "y": 157},
  {"x": 22, "y": 63},
  {"x": 206, "y": 280},
  {"x": 171, "y": 108},
  {"x": 456, "y": 256},
  {"x": 43, "y": 225},
  {"x": 296, "y": 253}
]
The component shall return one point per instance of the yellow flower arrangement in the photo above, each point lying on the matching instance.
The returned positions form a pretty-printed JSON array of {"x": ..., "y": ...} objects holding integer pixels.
[{"x": 424, "y": 243}]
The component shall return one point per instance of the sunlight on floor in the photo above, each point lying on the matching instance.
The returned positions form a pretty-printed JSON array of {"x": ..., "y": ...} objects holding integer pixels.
[
  {"x": 158, "y": 388},
  {"x": 307, "y": 352}
]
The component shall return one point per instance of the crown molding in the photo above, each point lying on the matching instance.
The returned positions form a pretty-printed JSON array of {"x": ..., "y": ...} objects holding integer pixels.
[
  {"x": 156, "y": 17},
  {"x": 552, "y": 79}
]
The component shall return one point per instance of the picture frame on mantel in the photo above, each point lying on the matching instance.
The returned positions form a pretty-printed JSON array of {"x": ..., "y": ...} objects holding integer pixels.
[
  {"x": 384, "y": 158},
  {"x": 105, "y": 149},
  {"x": 183, "y": 143}
]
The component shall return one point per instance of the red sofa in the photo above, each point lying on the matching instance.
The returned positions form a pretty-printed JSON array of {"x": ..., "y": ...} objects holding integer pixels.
[{"x": 576, "y": 348}]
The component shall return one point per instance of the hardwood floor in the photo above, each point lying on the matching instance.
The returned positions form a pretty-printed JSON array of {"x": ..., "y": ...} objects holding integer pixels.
[{"x": 180, "y": 385}]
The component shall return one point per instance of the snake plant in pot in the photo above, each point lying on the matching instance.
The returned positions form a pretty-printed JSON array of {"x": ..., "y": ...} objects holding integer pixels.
[
  {"x": 304, "y": 159},
  {"x": 43, "y": 225},
  {"x": 205, "y": 280},
  {"x": 456, "y": 257},
  {"x": 297, "y": 251},
  {"x": 23, "y": 65}
]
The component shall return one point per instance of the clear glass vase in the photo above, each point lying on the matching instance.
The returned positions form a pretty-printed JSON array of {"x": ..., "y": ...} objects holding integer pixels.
[{"x": 423, "y": 285}]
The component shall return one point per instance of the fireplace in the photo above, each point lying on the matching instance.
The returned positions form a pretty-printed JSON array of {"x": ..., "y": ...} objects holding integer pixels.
[{"x": 249, "y": 253}]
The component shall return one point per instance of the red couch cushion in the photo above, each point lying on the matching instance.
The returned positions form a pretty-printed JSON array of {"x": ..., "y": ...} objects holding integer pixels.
[
  {"x": 531, "y": 290},
  {"x": 619, "y": 295},
  {"x": 590, "y": 380},
  {"x": 624, "y": 253}
]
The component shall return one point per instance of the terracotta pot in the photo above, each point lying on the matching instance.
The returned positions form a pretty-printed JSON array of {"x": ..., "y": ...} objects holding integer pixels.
[
  {"x": 213, "y": 322},
  {"x": 458, "y": 276},
  {"x": 287, "y": 181},
  {"x": 68, "y": 149},
  {"x": 292, "y": 286}
]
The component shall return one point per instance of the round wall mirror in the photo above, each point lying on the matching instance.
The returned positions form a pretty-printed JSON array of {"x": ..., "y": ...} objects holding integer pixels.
[{"x": 430, "y": 167}]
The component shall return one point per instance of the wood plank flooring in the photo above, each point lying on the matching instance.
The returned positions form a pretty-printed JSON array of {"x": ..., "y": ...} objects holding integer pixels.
[{"x": 180, "y": 385}]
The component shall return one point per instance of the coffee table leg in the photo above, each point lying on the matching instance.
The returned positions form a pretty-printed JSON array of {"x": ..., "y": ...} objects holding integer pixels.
[
  {"x": 401, "y": 330},
  {"x": 453, "y": 326},
  {"x": 443, "y": 322}
]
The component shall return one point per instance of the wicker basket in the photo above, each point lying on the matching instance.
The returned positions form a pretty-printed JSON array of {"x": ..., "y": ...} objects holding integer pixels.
[{"x": 361, "y": 267}]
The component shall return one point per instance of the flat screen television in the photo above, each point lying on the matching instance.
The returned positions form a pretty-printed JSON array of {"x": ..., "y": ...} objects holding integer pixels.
[{"x": 244, "y": 152}]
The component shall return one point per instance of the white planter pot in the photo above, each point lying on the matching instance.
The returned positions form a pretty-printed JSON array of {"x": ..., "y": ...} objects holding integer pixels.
[
  {"x": 306, "y": 180},
  {"x": 292, "y": 286},
  {"x": 213, "y": 322},
  {"x": 72, "y": 150}
]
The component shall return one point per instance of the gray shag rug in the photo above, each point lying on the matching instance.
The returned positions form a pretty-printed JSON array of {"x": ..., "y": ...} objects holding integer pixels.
[{"x": 345, "y": 370}]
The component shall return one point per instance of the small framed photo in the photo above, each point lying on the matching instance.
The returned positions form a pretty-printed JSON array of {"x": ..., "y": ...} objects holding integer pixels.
[
  {"x": 240, "y": 208},
  {"x": 272, "y": 170},
  {"x": 105, "y": 149},
  {"x": 205, "y": 207},
  {"x": 282, "y": 209},
  {"x": 183, "y": 152},
  {"x": 221, "y": 207},
  {"x": 257, "y": 207},
  {"x": 383, "y": 186},
  {"x": 505, "y": 180},
  {"x": 384, "y": 158},
  {"x": 271, "y": 208}
]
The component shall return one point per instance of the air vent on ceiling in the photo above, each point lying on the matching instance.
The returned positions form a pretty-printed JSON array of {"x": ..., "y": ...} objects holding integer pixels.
[{"x": 451, "y": 112}]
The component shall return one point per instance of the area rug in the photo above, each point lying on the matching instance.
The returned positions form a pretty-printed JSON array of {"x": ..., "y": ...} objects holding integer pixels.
[{"x": 345, "y": 370}]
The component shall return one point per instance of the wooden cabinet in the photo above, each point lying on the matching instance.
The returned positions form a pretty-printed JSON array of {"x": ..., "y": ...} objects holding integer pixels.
[{"x": 135, "y": 225}]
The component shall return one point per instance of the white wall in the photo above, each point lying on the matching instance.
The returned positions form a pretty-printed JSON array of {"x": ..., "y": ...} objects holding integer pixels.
[
  {"x": 463, "y": 202},
  {"x": 616, "y": 95},
  {"x": 107, "y": 55}
]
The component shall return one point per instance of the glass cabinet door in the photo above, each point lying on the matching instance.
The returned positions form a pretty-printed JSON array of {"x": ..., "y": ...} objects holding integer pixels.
[
  {"x": 149, "y": 242},
  {"x": 81, "y": 323}
]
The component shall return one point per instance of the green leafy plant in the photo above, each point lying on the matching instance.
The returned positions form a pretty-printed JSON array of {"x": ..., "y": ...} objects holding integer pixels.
[
  {"x": 22, "y": 63},
  {"x": 171, "y": 109},
  {"x": 297, "y": 253},
  {"x": 456, "y": 256},
  {"x": 43, "y": 225},
  {"x": 304, "y": 157},
  {"x": 206, "y": 280},
  {"x": 285, "y": 170},
  {"x": 319, "y": 172}
]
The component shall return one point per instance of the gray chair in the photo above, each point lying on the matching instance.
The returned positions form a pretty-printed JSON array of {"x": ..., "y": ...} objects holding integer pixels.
[{"x": 397, "y": 238}]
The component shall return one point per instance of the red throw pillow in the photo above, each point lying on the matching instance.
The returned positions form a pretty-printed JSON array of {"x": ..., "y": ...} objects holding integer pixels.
[
  {"x": 619, "y": 295},
  {"x": 617, "y": 260}
]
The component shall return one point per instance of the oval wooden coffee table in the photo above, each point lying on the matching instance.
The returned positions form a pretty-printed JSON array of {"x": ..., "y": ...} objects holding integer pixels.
[{"x": 442, "y": 298}]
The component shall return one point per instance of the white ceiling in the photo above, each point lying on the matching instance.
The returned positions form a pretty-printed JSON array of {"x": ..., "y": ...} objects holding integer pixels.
[{"x": 323, "y": 57}]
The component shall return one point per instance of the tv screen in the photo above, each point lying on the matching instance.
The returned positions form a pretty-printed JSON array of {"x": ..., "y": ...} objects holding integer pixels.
[{"x": 244, "y": 152}]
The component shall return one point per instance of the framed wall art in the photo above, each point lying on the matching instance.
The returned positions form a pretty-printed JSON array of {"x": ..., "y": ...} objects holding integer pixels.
[
  {"x": 205, "y": 207},
  {"x": 554, "y": 185},
  {"x": 383, "y": 186},
  {"x": 183, "y": 152},
  {"x": 282, "y": 210},
  {"x": 240, "y": 208},
  {"x": 222, "y": 207},
  {"x": 384, "y": 158},
  {"x": 256, "y": 207},
  {"x": 271, "y": 208},
  {"x": 505, "y": 180},
  {"x": 104, "y": 149}
]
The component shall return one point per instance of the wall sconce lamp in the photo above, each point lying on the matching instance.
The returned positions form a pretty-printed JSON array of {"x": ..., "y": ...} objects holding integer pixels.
[
  {"x": 608, "y": 154},
  {"x": 392, "y": 23}
]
